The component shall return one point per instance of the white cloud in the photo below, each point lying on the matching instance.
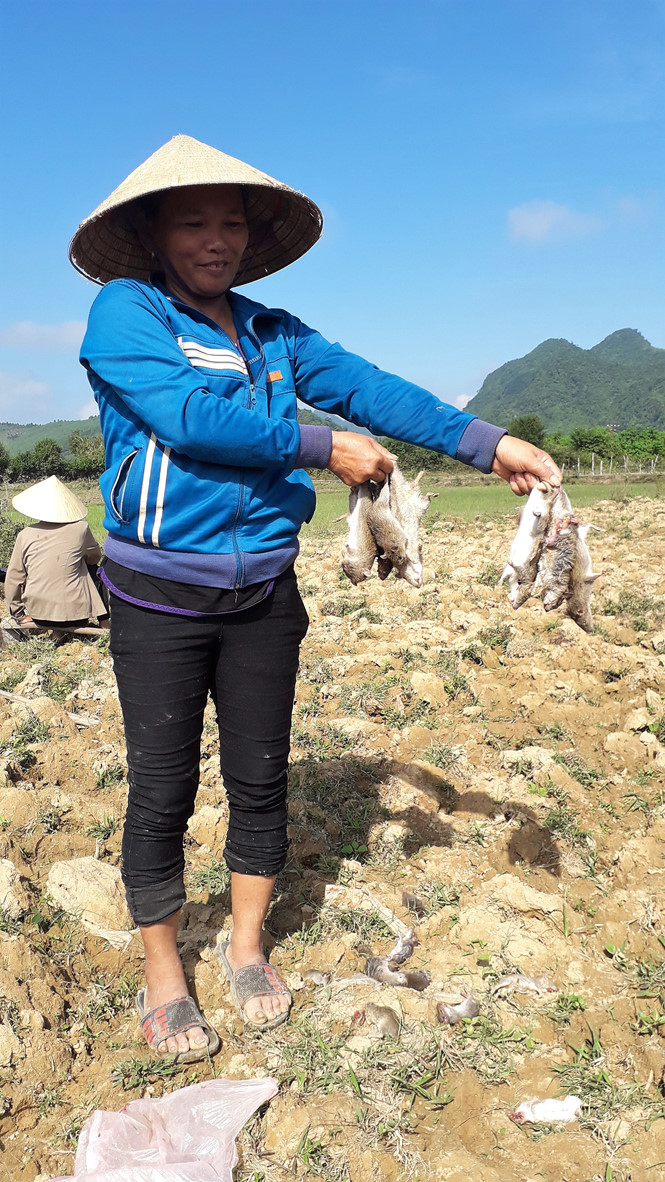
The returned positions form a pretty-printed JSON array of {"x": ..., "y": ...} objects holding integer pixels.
[
  {"x": 637, "y": 210},
  {"x": 89, "y": 409},
  {"x": 57, "y": 338},
  {"x": 23, "y": 399},
  {"x": 460, "y": 400},
  {"x": 547, "y": 221}
]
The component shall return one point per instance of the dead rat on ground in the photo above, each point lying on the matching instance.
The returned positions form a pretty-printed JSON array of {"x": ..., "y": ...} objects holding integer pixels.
[
  {"x": 449, "y": 1015},
  {"x": 385, "y": 1019}
]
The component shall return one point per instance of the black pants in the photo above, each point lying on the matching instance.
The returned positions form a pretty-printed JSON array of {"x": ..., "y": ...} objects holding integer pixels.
[{"x": 165, "y": 665}]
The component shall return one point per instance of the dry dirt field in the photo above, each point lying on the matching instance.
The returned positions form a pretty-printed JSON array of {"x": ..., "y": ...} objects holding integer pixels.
[{"x": 506, "y": 768}]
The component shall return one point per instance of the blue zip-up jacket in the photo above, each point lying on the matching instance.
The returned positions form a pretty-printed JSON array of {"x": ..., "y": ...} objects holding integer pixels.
[{"x": 204, "y": 480}]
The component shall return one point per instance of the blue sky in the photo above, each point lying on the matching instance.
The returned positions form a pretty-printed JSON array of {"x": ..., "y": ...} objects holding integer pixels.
[{"x": 490, "y": 171}]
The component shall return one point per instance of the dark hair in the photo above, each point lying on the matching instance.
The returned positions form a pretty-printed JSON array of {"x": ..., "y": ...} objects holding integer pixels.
[
  {"x": 143, "y": 212},
  {"x": 133, "y": 217},
  {"x": 145, "y": 209}
]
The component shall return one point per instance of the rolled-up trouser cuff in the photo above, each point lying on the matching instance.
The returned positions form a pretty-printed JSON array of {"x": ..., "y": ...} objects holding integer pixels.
[
  {"x": 244, "y": 864},
  {"x": 153, "y": 902}
]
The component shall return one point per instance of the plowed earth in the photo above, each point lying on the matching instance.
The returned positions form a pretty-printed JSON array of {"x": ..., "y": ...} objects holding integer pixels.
[{"x": 506, "y": 768}]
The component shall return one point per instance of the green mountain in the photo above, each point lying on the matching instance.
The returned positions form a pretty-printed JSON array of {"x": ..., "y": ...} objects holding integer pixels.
[
  {"x": 17, "y": 437},
  {"x": 619, "y": 381},
  {"x": 317, "y": 418}
]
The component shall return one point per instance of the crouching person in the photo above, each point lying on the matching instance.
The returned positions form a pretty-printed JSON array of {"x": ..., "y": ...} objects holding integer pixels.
[{"x": 48, "y": 581}]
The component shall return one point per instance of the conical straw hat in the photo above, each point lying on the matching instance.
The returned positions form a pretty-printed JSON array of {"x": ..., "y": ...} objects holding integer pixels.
[
  {"x": 283, "y": 223},
  {"x": 50, "y": 500}
]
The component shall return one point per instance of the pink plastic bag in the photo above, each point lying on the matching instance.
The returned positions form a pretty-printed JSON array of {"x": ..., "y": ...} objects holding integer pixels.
[{"x": 187, "y": 1136}]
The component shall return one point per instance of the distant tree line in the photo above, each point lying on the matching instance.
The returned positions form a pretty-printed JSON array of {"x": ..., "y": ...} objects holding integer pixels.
[
  {"x": 639, "y": 445},
  {"x": 84, "y": 459},
  {"x": 642, "y": 445}
]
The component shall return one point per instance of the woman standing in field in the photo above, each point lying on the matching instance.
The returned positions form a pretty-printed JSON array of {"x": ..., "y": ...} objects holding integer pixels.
[{"x": 205, "y": 492}]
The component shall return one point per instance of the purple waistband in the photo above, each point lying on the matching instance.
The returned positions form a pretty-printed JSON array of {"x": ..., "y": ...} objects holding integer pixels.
[{"x": 175, "y": 611}]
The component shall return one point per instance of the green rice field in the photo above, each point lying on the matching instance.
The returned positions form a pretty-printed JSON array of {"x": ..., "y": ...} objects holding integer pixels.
[{"x": 479, "y": 499}]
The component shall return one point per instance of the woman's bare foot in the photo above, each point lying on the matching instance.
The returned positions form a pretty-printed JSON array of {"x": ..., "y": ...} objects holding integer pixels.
[
  {"x": 165, "y": 981},
  {"x": 259, "y": 1010},
  {"x": 250, "y": 899}
]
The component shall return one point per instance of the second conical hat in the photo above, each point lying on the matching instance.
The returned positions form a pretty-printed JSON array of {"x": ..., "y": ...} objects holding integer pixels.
[
  {"x": 50, "y": 500},
  {"x": 283, "y": 223}
]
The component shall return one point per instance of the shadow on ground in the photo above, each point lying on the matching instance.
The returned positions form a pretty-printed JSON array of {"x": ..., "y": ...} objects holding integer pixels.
[{"x": 335, "y": 806}]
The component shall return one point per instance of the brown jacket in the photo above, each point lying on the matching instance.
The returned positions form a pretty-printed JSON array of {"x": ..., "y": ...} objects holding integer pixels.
[{"x": 47, "y": 575}]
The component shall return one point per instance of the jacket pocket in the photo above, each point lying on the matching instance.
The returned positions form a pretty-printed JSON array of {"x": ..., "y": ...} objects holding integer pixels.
[{"x": 120, "y": 499}]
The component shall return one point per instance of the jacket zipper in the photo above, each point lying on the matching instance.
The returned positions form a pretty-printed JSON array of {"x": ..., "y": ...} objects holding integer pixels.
[
  {"x": 251, "y": 392},
  {"x": 259, "y": 346}
]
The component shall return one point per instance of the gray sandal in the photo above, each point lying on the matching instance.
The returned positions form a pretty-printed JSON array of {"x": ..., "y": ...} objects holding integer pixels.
[
  {"x": 175, "y": 1017},
  {"x": 253, "y": 980}
]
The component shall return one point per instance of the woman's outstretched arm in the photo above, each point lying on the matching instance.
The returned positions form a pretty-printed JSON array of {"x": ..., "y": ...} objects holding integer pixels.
[{"x": 356, "y": 458}]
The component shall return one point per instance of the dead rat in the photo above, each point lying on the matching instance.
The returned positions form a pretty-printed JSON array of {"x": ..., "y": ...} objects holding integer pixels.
[
  {"x": 384, "y": 1018},
  {"x": 316, "y": 976},
  {"x": 519, "y": 983},
  {"x": 449, "y": 1015}
]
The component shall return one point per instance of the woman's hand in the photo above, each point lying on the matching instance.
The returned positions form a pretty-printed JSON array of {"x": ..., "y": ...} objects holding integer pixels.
[
  {"x": 522, "y": 465},
  {"x": 357, "y": 458}
]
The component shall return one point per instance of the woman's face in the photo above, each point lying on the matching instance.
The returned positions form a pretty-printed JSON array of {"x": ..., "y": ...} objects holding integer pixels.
[{"x": 201, "y": 233}]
